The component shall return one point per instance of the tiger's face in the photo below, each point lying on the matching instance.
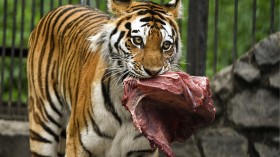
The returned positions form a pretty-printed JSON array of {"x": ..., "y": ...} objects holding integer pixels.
[{"x": 144, "y": 40}]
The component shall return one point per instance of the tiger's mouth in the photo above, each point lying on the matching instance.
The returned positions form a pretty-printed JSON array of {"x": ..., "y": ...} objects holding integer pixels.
[{"x": 168, "y": 107}]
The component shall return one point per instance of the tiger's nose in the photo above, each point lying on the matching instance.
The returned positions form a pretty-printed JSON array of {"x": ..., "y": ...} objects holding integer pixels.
[{"x": 152, "y": 72}]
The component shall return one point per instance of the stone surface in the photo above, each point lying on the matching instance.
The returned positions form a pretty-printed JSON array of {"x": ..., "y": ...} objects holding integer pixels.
[
  {"x": 274, "y": 79},
  {"x": 14, "y": 146},
  {"x": 13, "y": 128},
  {"x": 254, "y": 109},
  {"x": 186, "y": 149},
  {"x": 267, "y": 51},
  {"x": 265, "y": 151},
  {"x": 223, "y": 142},
  {"x": 14, "y": 140},
  {"x": 276, "y": 139},
  {"x": 246, "y": 71},
  {"x": 222, "y": 84}
]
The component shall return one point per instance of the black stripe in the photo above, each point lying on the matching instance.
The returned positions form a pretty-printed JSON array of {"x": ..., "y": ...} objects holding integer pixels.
[
  {"x": 53, "y": 105},
  {"x": 80, "y": 139},
  {"x": 37, "y": 137},
  {"x": 60, "y": 154},
  {"x": 50, "y": 131},
  {"x": 97, "y": 129},
  {"x": 128, "y": 26},
  {"x": 146, "y": 19},
  {"x": 33, "y": 46},
  {"x": 52, "y": 120},
  {"x": 149, "y": 5},
  {"x": 35, "y": 154},
  {"x": 96, "y": 21},
  {"x": 151, "y": 11},
  {"x": 119, "y": 39},
  {"x": 130, "y": 153},
  {"x": 42, "y": 108},
  {"x": 160, "y": 21},
  {"x": 118, "y": 24},
  {"x": 107, "y": 99},
  {"x": 52, "y": 36},
  {"x": 43, "y": 50},
  {"x": 70, "y": 14},
  {"x": 42, "y": 55},
  {"x": 84, "y": 117},
  {"x": 63, "y": 133},
  {"x": 55, "y": 69},
  {"x": 49, "y": 59},
  {"x": 138, "y": 136}
]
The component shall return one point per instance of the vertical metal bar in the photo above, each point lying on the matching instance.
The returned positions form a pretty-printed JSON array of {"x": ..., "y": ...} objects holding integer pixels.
[
  {"x": 3, "y": 54},
  {"x": 41, "y": 8},
  {"x": 32, "y": 14},
  {"x": 11, "y": 78},
  {"x": 254, "y": 18},
  {"x": 69, "y": 1},
  {"x": 51, "y": 4},
  {"x": 197, "y": 36},
  {"x": 19, "y": 106},
  {"x": 272, "y": 8},
  {"x": 60, "y": 2},
  {"x": 216, "y": 35},
  {"x": 88, "y": 2},
  {"x": 192, "y": 34},
  {"x": 235, "y": 29},
  {"x": 98, "y": 4}
]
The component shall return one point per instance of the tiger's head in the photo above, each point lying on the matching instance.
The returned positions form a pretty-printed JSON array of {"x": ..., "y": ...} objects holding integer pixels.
[{"x": 142, "y": 39}]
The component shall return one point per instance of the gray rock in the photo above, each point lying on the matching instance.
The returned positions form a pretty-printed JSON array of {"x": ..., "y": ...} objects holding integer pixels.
[
  {"x": 14, "y": 139},
  {"x": 246, "y": 71},
  {"x": 223, "y": 142},
  {"x": 254, "y": 109},
  {"x": 265, "y": 151},
  {"x": 276, "y": 139},
  {"x": 267, "y": 51},
  {"x": 222, "y": 83},
  {"x": 14, "y": 146},
  {"x": 8, "y": 127},
  {"x": 274, "y": 80},
  {"x": 186, "y": 149}
]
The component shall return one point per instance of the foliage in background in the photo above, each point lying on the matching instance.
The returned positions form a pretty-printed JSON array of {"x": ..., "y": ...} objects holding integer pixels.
[
  {"x": 15, "y": 69},
  {"x": 244, "y": 32}
]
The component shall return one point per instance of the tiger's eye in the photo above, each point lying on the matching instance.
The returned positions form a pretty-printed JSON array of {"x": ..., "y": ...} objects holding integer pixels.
[
  {"x": 166, "y": 45},
  {"x": 137, "y": 40}
]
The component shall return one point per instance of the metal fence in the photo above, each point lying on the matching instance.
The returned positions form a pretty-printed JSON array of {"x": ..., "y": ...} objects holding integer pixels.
[{"x": 200, "y": 26}]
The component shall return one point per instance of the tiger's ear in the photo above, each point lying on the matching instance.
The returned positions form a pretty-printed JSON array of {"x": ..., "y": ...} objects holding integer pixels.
[
  {"x": 118, "y": 7},
  {"x": 174, "y": 7}
]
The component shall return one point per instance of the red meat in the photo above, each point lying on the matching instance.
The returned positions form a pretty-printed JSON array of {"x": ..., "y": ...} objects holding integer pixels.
[{"x": 169, "y": 107}]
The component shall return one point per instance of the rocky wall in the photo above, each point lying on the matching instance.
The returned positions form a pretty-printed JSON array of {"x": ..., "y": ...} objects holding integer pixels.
[{"x": 246, "y": 95}]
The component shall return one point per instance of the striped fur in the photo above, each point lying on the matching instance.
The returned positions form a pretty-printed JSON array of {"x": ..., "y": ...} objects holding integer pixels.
[{"x": 78, "y": 57}]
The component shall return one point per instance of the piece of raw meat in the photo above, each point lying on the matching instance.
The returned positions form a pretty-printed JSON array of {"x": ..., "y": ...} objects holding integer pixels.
[{"x": 168, "y": 107}]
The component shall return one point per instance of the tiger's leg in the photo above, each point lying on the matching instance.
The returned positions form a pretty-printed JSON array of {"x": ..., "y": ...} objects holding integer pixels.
[
  {"x": 45, "y": 127},
  {"x": 74, "y": 146},
  {"x": 129, "y": 142}
]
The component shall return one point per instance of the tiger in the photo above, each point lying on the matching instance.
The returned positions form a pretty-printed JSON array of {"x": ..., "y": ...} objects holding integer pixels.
[{"x": 78, "y": 59}]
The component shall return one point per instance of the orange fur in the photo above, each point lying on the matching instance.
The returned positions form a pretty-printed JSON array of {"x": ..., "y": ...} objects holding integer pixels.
[{"x": 71, "y": 86}]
